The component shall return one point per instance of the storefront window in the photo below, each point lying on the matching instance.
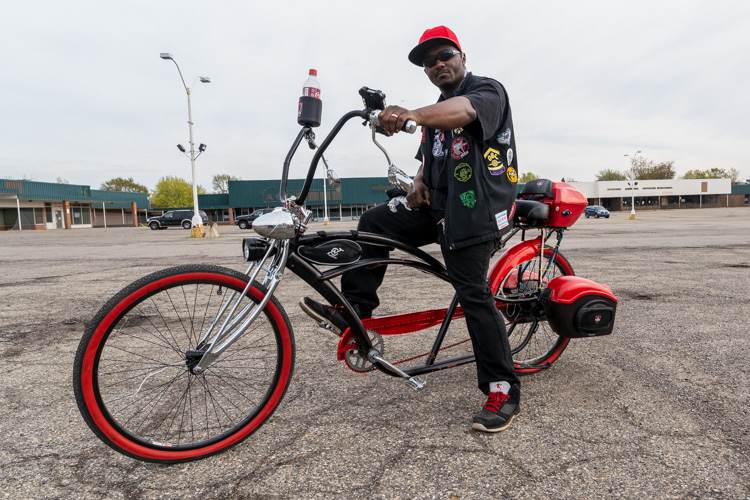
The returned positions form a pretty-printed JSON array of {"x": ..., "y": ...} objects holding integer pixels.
[{"x": 80, "y": 213}]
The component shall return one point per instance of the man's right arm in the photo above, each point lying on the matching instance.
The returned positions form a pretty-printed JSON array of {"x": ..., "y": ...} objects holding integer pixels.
[
  {"x": 445, "y": 115},
  {"x": 421, "y": 194}
]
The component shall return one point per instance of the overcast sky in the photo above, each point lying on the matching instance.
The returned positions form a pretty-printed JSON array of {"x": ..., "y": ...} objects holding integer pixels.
[{"x": 86, "y": 97}]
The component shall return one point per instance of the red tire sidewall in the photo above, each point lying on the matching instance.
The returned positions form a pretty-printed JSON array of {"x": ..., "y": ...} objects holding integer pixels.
[{"x": 126, "y": 444}]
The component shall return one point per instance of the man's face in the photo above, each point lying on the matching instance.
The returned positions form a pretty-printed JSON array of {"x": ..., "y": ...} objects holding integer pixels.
[{"x": 446, "y": 75}]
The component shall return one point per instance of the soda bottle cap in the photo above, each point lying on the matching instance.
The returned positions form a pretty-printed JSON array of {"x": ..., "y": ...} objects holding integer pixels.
[{"x": 314, "y": 72}]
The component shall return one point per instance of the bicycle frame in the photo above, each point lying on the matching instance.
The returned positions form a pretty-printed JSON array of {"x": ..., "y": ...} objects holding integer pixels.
[{"x": 279, "y": 251}]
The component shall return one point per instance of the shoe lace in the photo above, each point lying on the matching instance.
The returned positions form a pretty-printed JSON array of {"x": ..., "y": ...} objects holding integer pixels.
[{"x": 494, "y": 401}]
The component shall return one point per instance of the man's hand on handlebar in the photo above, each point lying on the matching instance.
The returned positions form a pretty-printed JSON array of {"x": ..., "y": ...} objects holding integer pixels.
[
  {"x": 421, "y": 194},
  {"x": 393, "y": 119}
]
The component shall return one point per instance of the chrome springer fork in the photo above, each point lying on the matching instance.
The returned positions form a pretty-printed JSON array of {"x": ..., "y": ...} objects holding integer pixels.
[
  {"x": 229, "y": 324},
  {"x": 284, "y": 224}
]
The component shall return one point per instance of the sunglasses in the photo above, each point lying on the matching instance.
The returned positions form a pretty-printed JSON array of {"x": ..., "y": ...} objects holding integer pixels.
[{"x": 443, "y": 55}]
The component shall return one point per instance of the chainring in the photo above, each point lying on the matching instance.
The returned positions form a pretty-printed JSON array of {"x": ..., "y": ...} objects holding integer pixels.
[{"x": 353, "y": 358}]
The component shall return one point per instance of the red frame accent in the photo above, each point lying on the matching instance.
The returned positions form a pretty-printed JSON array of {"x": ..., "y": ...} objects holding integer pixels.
[
  {"x": 150, "y": 453},
  {"x": 568, "y": 289},
  {"x": 511, "y": 258},
  {"x": 397, "y": 324}
]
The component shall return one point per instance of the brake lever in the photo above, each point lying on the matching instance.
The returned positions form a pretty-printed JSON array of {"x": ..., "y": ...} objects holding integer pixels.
[{"x": 397, "y": 177}]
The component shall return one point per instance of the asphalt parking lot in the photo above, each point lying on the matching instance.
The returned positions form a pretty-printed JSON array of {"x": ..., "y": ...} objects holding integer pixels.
[{"x": 659, "y": 409}]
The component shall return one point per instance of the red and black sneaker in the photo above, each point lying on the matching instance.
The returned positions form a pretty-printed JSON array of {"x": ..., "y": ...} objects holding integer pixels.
[{"x": 499, "y": 410}]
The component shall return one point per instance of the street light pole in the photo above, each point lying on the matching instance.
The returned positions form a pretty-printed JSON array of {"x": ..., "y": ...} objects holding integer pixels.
[
  {"x": 632, "y": 184},
  {"x": 197, "y": 221}
]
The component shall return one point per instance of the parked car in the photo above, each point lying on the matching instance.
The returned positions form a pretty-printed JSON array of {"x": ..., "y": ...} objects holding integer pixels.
[
  {"x": 246, "y": 221},
  {"x": 596, "y": 211},
  {"x": 182, "y": 218}
]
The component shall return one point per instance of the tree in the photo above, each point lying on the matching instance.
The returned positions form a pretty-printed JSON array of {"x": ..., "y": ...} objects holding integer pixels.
[
  {"x": 121, "y": 184},
  {"x": 527, "y": 176},
  {"x": 734, "y": 175},
  {"x": 611, "y": 175},
  {"x": 60, "y": 180},
  {"x": 694, "y": 174},
  {"x": 173, "y": 192},
  {"x": 711, "y": 173},
  {"x": 220, "y": 182},
  {"x": 645, "y": 169}
]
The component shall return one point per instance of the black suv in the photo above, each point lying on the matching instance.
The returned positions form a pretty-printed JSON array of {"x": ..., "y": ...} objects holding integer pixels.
[
  {"x": 175, "y": 218},
  {"x": 246, "y": 221}
]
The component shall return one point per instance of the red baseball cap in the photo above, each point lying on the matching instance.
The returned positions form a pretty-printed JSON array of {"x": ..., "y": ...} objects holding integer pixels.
[{"x": 430, "y": 38}]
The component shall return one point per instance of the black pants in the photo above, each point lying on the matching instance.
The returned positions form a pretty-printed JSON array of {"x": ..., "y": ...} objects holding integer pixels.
[{"x": 467, "y": 269}]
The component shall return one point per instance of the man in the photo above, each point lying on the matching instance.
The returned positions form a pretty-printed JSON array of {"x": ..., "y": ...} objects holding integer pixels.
[{"x": 463, "y": 199}]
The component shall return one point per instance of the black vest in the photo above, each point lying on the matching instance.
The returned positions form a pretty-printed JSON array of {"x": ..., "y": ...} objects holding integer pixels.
[{"x": 473, "y": 181}]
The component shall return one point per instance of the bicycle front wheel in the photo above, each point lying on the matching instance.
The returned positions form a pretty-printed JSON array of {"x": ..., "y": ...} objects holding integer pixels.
[
  {"x": 132, "y": 376},
  {"x": 533, "y": 343}
]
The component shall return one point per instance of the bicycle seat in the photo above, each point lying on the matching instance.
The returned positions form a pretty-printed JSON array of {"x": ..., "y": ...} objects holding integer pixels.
[
  {"x": 530, "y": 212},
  {"x": 538, "y": 189}
]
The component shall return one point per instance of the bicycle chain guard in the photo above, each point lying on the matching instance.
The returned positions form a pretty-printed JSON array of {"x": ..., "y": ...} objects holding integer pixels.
[{"x": 350, "y": 354}]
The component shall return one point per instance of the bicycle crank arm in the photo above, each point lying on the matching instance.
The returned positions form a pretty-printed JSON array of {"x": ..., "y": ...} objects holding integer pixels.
[{"x": 415, "y": 382}]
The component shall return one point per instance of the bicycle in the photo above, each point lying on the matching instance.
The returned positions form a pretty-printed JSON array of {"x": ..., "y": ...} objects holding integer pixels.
[{"x": 191, "y": 360}]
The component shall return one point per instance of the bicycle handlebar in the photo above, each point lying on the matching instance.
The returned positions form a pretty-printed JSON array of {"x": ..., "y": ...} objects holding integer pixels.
[
  {"x": 410, "y": 126},
  {"x": 368, "y": 114}
]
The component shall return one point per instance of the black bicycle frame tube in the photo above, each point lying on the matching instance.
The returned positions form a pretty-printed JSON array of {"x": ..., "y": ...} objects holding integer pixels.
[
  {"x": 373, "y": 239},
  {"x": 320, "y": 282},
  {"x": 443, "y": 330},
  {"x": 288, "y": 162},
  {"x": 321, "y": 149},
  {"x": 314, "y": 278}
]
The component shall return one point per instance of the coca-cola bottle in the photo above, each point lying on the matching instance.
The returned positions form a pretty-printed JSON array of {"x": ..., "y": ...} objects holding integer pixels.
[
  {"x": 310, "y": 106},
  {"x": 311, "y": 87}
]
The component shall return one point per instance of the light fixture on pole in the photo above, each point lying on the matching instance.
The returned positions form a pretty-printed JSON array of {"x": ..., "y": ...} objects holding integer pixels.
[
  {"x": 197, "y": 221},
  {"x": 632, "y": 184}
]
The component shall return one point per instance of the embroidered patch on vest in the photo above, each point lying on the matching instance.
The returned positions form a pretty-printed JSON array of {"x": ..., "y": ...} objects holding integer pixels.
[
  {"x": 468, "y": 199},
  {"x": 437, "y": 144},
  {"x": 504, "y": 138},
  {"x": 459, "y": 148},
  {"x": 512, "y": 177},
  {"x": 463, "y": 172},
  {"x": 502, "y": 219},
  {"x": 494, "y": 162},
  {"x": 509, "y": 156}
]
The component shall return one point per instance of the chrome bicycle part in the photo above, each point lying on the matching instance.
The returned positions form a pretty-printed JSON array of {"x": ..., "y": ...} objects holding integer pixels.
[
  {"x": 281, "y": 224},
  {"x": 414, "y": 382},
  {"x": 397, "y": 177},
  {"x": 236, "y": 323},
  {"x": 356, "y": 360}
]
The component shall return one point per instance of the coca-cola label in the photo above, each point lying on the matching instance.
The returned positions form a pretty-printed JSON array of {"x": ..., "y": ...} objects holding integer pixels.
[
  {"x": 299, "y": 110},
  {"x": 311, "y": 92}
]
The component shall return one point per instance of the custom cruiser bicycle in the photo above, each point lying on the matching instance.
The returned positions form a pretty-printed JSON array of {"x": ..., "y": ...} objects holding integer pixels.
[{"x": 191, "y": 360}]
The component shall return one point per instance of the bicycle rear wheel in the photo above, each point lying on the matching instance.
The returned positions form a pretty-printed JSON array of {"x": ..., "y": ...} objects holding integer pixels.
[
  {"x": 132, "y": 376},
  {"x": 532, "y": 341}
]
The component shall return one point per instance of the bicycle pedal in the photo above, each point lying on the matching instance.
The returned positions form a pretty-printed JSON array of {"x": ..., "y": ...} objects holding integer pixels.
[
  {"x": 415, "y": 383},
  {"x": 327, "y": 326}
]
